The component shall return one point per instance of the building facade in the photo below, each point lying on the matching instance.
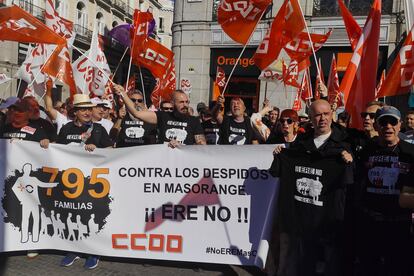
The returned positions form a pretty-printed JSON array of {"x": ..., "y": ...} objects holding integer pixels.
[
  {"x": 200, "y": 45},
  {"x": 85, "y": 14}
]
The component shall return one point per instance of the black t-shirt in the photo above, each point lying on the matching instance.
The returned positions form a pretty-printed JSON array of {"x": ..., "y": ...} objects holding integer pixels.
[
  {"x": 31, "y": 132},
  {"x": 235, "y": 133},
  {"x": 313, "y": 185},
  {"x": 172, "y": 125},
  {"x": 135, "y": 133},
  {"x": 211, "y": 131},
  {"x": 71, "y": 133},
  {"x": 48, "y": 127},
  {"x": 385, "y": 171}
]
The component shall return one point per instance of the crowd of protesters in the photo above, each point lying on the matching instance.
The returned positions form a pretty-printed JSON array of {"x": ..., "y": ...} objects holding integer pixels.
[{"x": 354, "y": 218}]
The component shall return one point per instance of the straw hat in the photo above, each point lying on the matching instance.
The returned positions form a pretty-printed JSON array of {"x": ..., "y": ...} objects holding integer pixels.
[{"x": 82, "y": 100}]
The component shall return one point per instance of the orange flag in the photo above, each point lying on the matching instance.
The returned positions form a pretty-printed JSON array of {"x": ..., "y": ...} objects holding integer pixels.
[
  {"x": 319, "y": 79},
  {"x": 381, "y": 82},
  {"x": 18, "y": 25},
  {"x": 287, "y": 24},
  {"x": 297, "y": 104},
  {"x": 400, "y": 77},
  {"x": 155, "y": 57},
  {"x": 139, "y": 33},
  {"x": 155, "y": 94},
  {"x": 58, "y": 66},
  {"x": 300, "y": 47},
  {"x": 168, "y": 83},
  {"x": 131, "y": 83},
  {"x": 359, "y": 82},
  {"x": 238, "y": 19},
  {"x": 352, "y": 28},
  {"x": 219, "y": 83},
  {"x": 306, "y": 90},
  {"x": 290, "y": 73},
  {"x": 333, "y": 85},
  {"x": 164, "y": 87}
]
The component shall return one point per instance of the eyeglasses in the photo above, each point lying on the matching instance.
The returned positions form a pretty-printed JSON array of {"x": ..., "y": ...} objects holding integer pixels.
[
  {"x": 167, "y": 108},
  {"x": 384, "y": 121},
  {"x": 288, "y": 120},
  {"x": 365, "y": 114},
  {"x": 137, "y": 100}
]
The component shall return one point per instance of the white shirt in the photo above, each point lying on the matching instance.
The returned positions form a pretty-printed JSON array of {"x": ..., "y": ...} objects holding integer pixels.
[
  {"x": 61, "y": 120},
  {"x": 107, "y": 124},
  {"x": 320, "y": 140}
]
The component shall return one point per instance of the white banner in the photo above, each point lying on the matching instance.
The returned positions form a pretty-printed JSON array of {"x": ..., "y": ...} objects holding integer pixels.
[{"x": 209, "y": 204}]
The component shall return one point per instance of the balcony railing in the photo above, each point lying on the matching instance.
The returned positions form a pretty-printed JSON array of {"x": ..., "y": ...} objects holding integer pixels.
[
  {"x": 356, "y": 7},
  {"x": 121, "y": 6},
  {"x": 34, "y": 10},
  {"x": 82, "y": 33}
]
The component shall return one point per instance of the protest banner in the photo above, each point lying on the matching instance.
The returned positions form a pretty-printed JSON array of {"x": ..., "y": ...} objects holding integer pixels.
[{"x": 210, "y": 204}]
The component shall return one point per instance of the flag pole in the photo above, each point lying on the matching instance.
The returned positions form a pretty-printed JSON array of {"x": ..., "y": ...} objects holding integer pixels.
[
  {"x": 142, "y": 84},
  {"x": 265, "y": 90},
  {"x": 238, "y": 59},
  {"x": 119, "y": 63},
  {"x": 311, "y": 42}
]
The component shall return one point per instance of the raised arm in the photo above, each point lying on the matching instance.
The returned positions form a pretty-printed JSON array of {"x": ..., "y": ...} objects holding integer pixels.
[
  {"x": 144, "y": 115},
  {"x": 51, "y": 111},
  {"x": 217, "y": 114}
]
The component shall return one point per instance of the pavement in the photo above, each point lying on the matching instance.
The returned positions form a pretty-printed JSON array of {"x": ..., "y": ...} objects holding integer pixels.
[{"x": 47, "y": 263}]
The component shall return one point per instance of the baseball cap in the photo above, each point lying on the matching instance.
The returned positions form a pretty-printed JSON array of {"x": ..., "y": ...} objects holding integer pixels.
[
  {"x": 388, "y": 111},
  {"x": 8, "y": 102}
]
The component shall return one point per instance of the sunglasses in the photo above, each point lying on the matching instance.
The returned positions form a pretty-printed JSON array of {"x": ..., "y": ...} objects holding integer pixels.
[
  {"x": 384, "y": 121},
  {"x": 365, "y": 114},
  {"x": 289, "y": 121},
  {"x": 167, "y": 108},
  {"x": 137, "y": 100}
]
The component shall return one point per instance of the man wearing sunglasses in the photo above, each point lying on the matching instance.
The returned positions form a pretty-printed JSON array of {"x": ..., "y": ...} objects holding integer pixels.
[
  {"x": 133, "y": 131},
  {"x": 166, "y": 106},
  {"x": 174, "y": 128},
  {"x": 386, "y": 188}
]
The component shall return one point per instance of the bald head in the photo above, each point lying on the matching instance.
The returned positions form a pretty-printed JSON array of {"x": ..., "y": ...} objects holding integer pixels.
[
  {"x": 321, "y": 117},
  {"x": 180, "y": 101}
]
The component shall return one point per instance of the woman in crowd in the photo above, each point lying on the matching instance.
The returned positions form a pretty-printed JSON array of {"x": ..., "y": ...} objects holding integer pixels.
[{"x": 287, "y": 133}]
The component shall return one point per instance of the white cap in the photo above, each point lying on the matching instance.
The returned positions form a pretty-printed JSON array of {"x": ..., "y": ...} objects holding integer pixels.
[
  {"x": 97, "y": 101},
  {"x": 107, "y": 104}
]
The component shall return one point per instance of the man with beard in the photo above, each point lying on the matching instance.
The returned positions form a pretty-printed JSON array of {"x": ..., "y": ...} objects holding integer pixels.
[
  {"x": 237, "y": 128},
  {"x": 135, "y": 132},
  {"x": 175, "y": 128}
]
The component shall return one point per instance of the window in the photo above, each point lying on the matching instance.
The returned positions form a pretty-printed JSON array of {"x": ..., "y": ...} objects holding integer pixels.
[
  {"x": 61, "y": 8},
  {"x": 101, "y": 23},
  {"x": 81, "y": 17},
  {"x": 161, "y": 25}
]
